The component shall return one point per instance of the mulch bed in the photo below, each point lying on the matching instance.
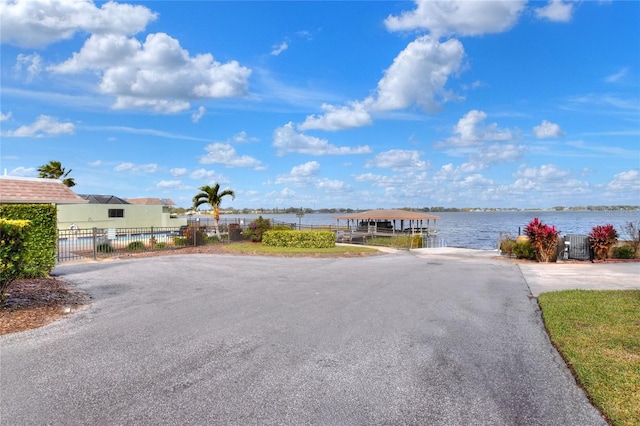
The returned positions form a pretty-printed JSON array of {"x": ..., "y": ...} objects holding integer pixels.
[{"x": 32, "y": 303}]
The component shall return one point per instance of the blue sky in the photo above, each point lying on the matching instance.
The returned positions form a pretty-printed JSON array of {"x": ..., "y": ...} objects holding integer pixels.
[{"x": 328, "y": 104}]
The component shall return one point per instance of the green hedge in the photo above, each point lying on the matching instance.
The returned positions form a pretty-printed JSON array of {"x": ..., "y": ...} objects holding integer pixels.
[
  {"x": 299, "y": 239},
  {"x": 13, "y": 234},
  {"x": 42, "y": 236}
]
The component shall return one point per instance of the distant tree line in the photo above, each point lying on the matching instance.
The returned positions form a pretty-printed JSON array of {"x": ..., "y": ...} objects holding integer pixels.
[{"x": 435, "y": 209}]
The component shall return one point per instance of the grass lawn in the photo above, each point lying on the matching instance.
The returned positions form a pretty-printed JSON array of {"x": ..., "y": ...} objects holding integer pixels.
[
  {"x": 598, "y": 334},
  {"x": 259, "y": 248}
]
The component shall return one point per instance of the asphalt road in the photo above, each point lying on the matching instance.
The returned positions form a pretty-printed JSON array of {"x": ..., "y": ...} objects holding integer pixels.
[{"x": 396, "y": 339}]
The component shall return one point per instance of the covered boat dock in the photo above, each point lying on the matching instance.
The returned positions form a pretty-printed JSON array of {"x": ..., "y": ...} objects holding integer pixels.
[{"x": 389, "y": 222}]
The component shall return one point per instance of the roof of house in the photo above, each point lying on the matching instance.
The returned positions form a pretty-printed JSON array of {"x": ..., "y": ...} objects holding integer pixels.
[
  {"x": 25, "y": 190},
  {"x": 102, "y": 199},
  {"x": 151, "y": 201},
  {"x": 387, "y": 215}
]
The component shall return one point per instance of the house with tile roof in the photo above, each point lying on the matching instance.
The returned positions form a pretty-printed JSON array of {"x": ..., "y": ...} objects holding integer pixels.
[
  {"x": 110, "y": 211},
  {"x": 86, "y": 211},
  {"x": 26, "y": 190}
]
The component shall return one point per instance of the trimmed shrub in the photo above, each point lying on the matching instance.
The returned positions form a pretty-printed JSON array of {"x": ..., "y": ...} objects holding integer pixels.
[
  {"x": 543, "y": 239},
  {"x": 506, "y": 246},
  {"x": 624, "y": 252},
  {"x": 104, "y": 248},
  {"x": 212, "y": 239},
  {"x": 180, "y": 241},
  {"x": 135, "y": 245},
  {"x": 161, "y": 245},
  {"x": 299, "y": 239},
  {"x": 42, "y": 236},
  {"x": 524, "y": 250},
  {"x": 601, "y": 239},
  {"x": 13, "y": 253}
]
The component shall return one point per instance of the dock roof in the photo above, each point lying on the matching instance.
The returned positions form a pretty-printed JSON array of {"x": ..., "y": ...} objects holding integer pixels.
[{"x": 387, "y": 215}]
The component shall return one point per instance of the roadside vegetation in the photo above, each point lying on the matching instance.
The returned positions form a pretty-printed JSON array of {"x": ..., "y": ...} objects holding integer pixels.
[
  {"x": 598, "y": 335},
  {"x": 258, "y": 248}
]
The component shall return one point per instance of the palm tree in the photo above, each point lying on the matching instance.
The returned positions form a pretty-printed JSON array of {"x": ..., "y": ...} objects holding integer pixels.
[
  {"x": 211, "y": 195},
  {"x": 54, "y": 170}
]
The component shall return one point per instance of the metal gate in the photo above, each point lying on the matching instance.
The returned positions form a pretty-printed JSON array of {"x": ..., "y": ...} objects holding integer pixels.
[{"x": 577, "y": 247}]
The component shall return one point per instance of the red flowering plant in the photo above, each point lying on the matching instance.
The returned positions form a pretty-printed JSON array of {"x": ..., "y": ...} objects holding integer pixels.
[
  {"x": 601, "y": 239},
  {"x": 543, "y": 239}
]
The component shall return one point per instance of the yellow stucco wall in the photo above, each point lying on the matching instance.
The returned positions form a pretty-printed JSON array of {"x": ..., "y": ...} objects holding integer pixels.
[{"x": 87, "y": 216}]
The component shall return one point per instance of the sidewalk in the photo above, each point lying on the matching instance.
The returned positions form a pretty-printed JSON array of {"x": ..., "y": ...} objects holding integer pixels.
[{"x": 544, "y": 277}]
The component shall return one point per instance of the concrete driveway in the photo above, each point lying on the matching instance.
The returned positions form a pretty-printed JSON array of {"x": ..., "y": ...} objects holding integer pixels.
[{"x": 397, "y": 339}]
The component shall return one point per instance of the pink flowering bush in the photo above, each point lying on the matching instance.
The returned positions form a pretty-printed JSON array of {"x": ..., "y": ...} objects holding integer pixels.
[
  {"x": 543, "y": 239},
  {"x": 601, "y": 239}
]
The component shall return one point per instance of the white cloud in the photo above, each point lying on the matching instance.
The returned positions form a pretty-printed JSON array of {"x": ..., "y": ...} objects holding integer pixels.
[
  {"x": 546, "y": 130},
  {"x": 418, "y": 75},
  {"x": 224, "y": 153},
  {"x": 136, "y": 168},
  {"x": 37, "y": 23},
  {"x": 463, "y": 18},
  {"x": 333, "y": 185},
  {"x": 399, "y": 160},
  {"x": 31, "y": 65},
  {"x": 301, "y": 175},
  {"x": 500, "y": 153},
  {"x": 211, "y": 175},
  {"x": 169, "y": 184},
  {"x": 278, "y": 49},
  {"x": 157, "y": 74},
  {"x": 338, "y": 118},
  {"x": 309, "y": 168},
  {"x": 618, "y": 76},
  {"x": 470, "y": 132},
  {"x": 178, "y": 171},
  {"x": 628, "y": 181},
  {"x": 475, "y": 180},
  {"x": 287, "y": 140},
  {"x": 196, "y": 116},
  {"x": 96, "y": 163},
  {"x": 43, "y": 126},
  {"x": 24, "y": 172},
  {"x": 5, "y": 117},
  {"x": 241, "y": 137},
  {"x": 556, "y": 10},
  {"x": 546, "y": 173}
]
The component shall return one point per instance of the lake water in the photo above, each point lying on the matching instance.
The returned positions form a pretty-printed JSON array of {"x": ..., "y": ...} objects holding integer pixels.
[{"x": 477, "y": 230}]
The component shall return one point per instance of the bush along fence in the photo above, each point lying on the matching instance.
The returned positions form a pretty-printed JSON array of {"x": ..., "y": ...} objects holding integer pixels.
[
  {"x": 542, "y": 243},
  {"x": 95, "y": 243}
]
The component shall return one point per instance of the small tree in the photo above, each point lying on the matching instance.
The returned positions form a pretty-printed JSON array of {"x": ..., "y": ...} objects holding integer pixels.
[
  {"x": 601, "y": 239},
  {"x": 543, "y": 238},
  {"x": 213, "y": 196},
  {"x": 632, "y": 231},
  {"x": 256, "y": 228}
]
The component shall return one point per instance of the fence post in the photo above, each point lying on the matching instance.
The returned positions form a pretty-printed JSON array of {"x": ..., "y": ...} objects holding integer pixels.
[
  {"x": 152, "y": 239},
  {"x": 95, "y": 243}
]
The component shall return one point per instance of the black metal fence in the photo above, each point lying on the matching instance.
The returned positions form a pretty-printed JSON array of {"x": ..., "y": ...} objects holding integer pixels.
[{"x": 95, "y": 243}]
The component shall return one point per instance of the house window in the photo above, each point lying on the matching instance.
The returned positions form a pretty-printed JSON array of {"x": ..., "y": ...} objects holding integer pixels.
[{"x": 116, "y": 212}]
